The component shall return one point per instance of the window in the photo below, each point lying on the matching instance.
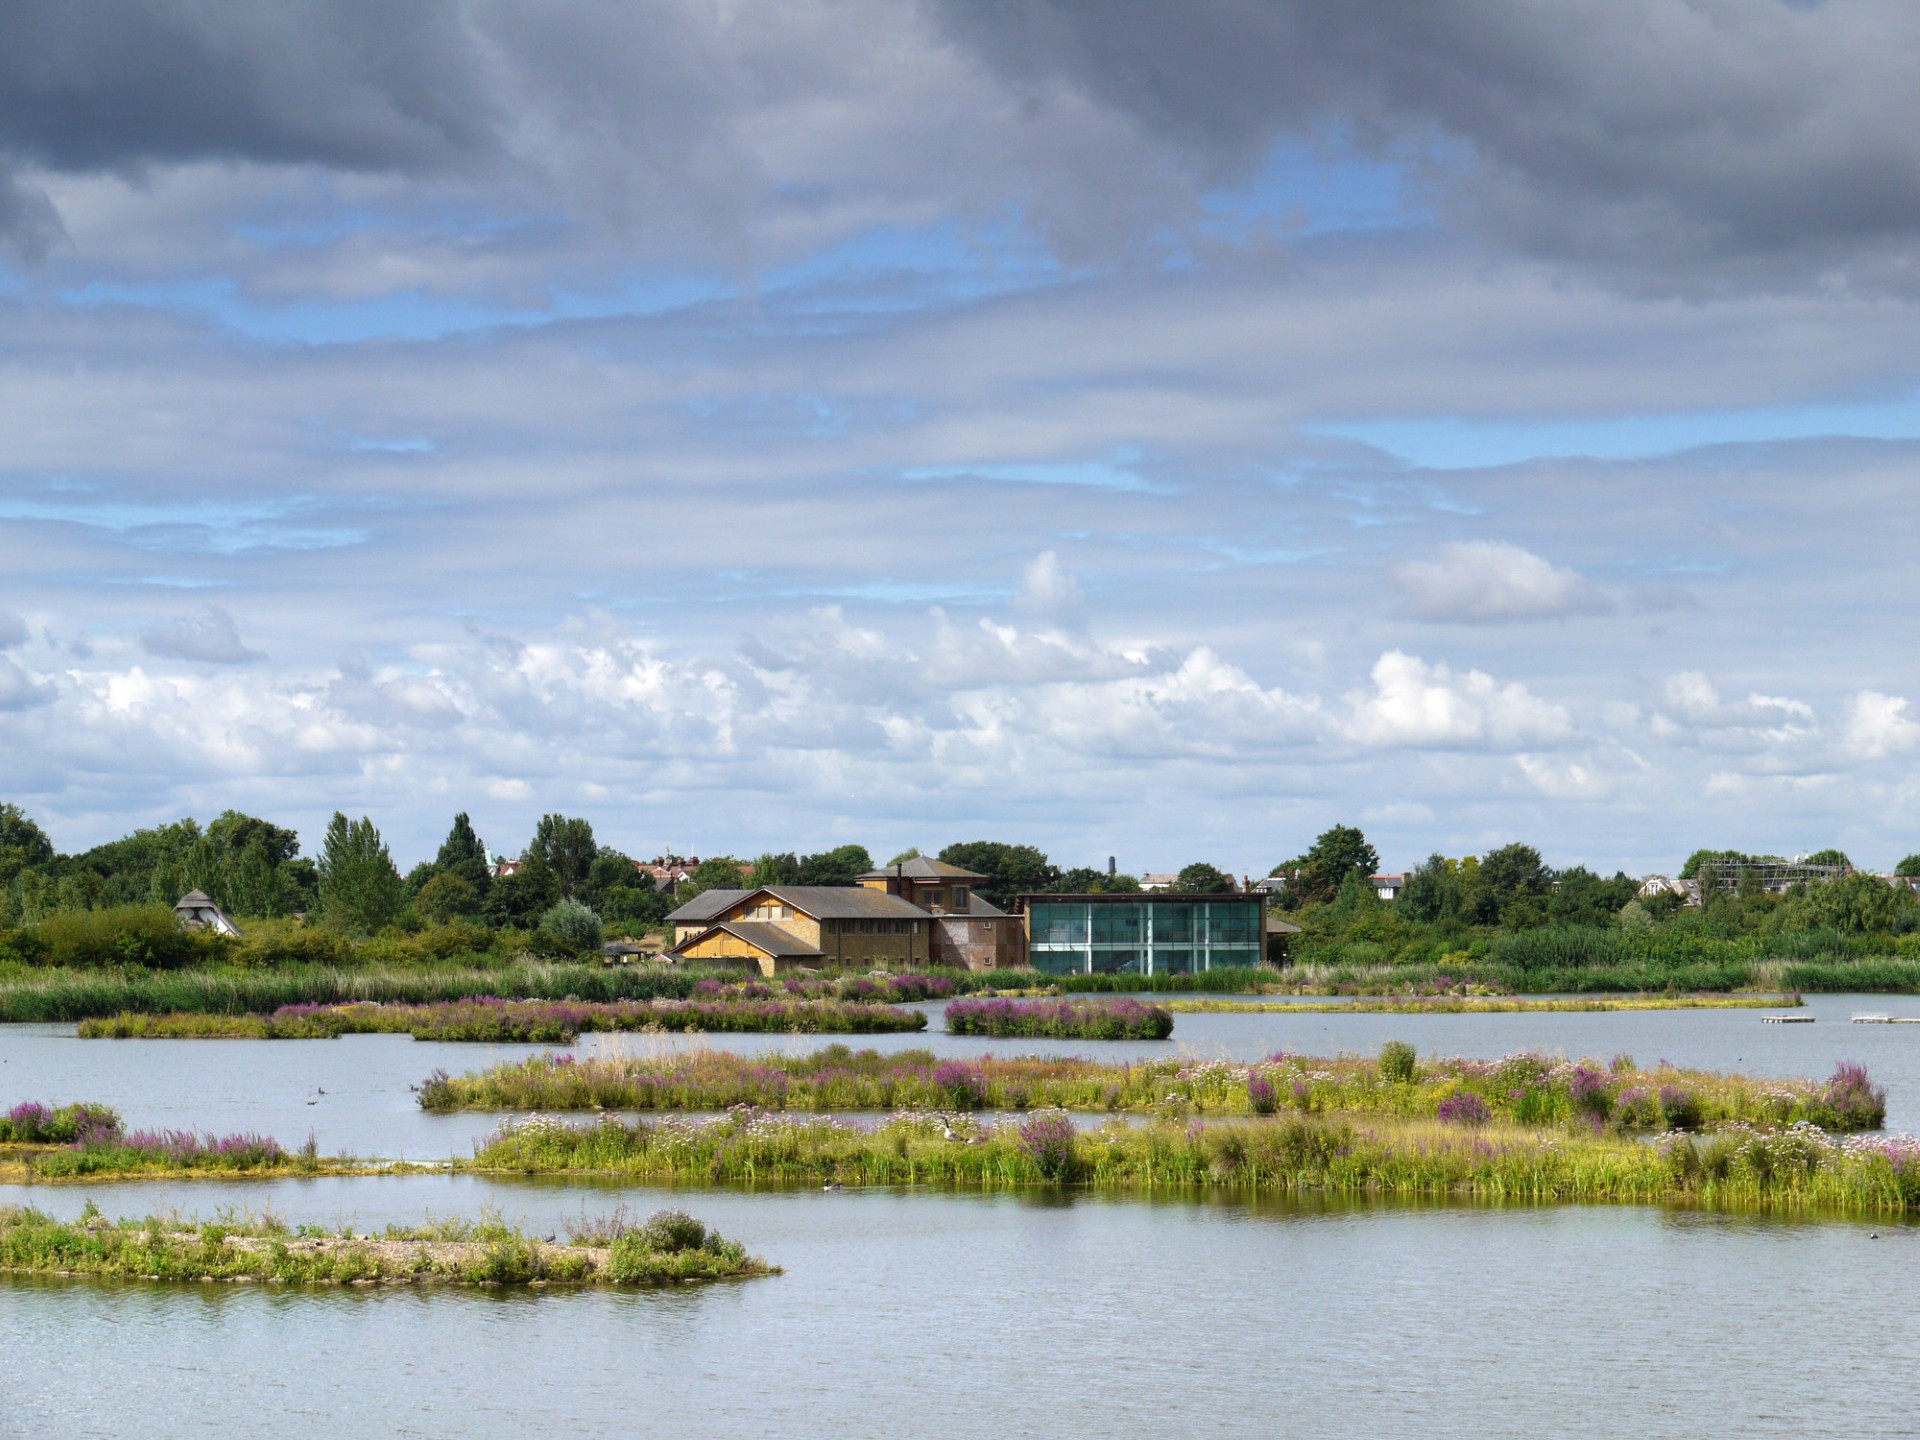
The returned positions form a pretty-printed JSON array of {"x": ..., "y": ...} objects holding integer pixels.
[{"x": 959, "y": 897}]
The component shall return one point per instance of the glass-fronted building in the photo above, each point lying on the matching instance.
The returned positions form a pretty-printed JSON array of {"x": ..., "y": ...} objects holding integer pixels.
[{"x": 1157, "y": 934}]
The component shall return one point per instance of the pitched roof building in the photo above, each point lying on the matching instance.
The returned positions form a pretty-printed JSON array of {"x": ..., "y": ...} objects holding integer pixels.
[{"x": 195, "y": 910}]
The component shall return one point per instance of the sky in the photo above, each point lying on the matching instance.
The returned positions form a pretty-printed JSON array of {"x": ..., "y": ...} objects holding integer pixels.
[{"x": 1139, "y": 430}]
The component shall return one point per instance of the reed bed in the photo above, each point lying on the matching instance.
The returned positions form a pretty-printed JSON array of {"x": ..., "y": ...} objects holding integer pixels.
[
  {"x": 671, "y": 1248},
  {"x": 498, "y": 1021},
  {"x": 78, "y": 1142},
  {"x": 1800, "y": 1167},
  {"x": 1059, "y": 1019},
  {"x": 1449, "y": 1004},
  {"x": 1524, "y": 1088}
]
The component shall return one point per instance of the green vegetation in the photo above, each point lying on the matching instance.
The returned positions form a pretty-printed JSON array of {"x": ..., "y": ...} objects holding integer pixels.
[
  {"x": 1059, "y": 1019},
  {"x": 489, "y": 1020},
  {"x": 671, "y": 1248},
  {"x": 1530, "y": 1089},
  {"x": 1484, "y": 1005},
  {"x": 1801, "y": 1168}
]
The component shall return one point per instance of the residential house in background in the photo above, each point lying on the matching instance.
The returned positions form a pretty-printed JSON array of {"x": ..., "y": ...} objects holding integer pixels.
[
  {"x": 195, "y": 910},
  {"x": 969, "y": 932},
  {"x": 1387, "y": 887}
]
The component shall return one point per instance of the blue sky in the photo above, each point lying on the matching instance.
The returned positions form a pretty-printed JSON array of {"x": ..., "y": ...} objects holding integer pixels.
[{"x": 903, "y": 423}]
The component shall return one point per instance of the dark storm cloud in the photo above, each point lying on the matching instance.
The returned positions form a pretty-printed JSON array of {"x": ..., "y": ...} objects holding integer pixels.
[
  {"x": 1710, "y": 142},
  {"x": 1719, "y": 143},
  {"x": 117, "y": 83}
]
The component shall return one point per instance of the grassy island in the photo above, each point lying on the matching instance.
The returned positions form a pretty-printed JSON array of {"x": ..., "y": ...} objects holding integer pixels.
[
  {"x": 489, "y": 1019},
  {"x": 1453, "y": 1004},
  {"x": 1059, "y": 1019},
  {"x": 90, "y": 1142},
  {"x": 671, "y": 1248},
  {"x": 1798, "y": 1167},
  {"x": 1526, "y": 1089}
]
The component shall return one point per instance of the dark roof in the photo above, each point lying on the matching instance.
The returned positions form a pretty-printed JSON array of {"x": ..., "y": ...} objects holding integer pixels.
[
  {"x": 846, "y": 902},
  {"x": 765, "y": 937},
  {"x": 822, "y": 902},
  {"x": 194, "y": 899},
  {"x": 922, "y": 867},
  {"x": 706, "y": 905},
  {"x": 978, "y": 905}
]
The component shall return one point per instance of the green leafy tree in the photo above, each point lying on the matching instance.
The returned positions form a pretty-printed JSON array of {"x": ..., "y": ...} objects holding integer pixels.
[
  {"x": 1855, "y": 904},
  {"x": 772, "y": 869},
  {"x": 1010, "y": 869},
  {"x": 1580, "y": 897},
  {"x": 574, "y": 926},
  {"x": 1433, "y": 891},
  {"x": 721, "y": 872},
  {"x": 360, "y": 891},
  {"x": 1316, "y": 877},
  {"x": 1908, "y": 867},
  {"x": 1514, "y": 882},
  {"x": 463, "y": 853},
  {"x": 1830, "y": 857},
  {"x": 447, "y": 896},
  {"x": 840, "y": 866},
  {"x": 566, "y": 846},
  {"x": 23, "y": 844},
  {"x": 1085, "y": 880},
  {"x": 1707, "y": 859},
  {"x": 1201, "y": 878},
  {"x": 912, "y": 852}
]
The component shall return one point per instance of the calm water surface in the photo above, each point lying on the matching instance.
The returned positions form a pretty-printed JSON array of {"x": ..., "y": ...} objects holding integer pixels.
[{"x": 914, "y": 1314}]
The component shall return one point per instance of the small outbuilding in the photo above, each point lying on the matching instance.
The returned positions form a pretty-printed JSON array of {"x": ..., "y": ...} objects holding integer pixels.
[{"x": 195, "y": 910}]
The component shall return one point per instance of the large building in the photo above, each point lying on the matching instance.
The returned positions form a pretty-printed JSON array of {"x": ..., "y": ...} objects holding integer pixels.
[
  {"x": 916, "y": 913},
  {"x": 1143, "y": 934}
]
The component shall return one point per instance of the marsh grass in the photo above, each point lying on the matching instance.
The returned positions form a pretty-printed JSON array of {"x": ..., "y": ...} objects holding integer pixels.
[
  {"x": 1523, "y": 1088},
  {"x": 671, "y": 1248},
  {"x": 1072, "y": 1019},
  {"x": 1295, "y": 1154},
  {"x": 488, "y": 1019},
  {"x": 1451, "y": 1004}
]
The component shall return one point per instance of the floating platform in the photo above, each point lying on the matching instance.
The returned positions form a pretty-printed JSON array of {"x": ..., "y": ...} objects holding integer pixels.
[
  {"x": 1886, "y": 1019},
  {"x": 1786, "y": 1019}
]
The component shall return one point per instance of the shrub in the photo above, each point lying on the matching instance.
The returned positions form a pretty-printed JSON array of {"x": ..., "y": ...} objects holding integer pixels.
[
  {"x": 1047, "y": 1140},
  {"x": 1637, "y": 1108},
  {"x": 282, "y": 942},
  {"x": 574, "y": 926},
  {"x": 668, "y": 1232},
  {"x": 1399, "y": 1062},
  {"x": 1679, "y": 1108},
  {"x": 965, "y": 1086},
  {"x": 1260, "y": 1097},
  {"x": 1464, "y": 1107},
  {"x": 1858, "y": 1104},
  {"x": 1589, "y": 1093},
  {"x": 142, "y": 935}
]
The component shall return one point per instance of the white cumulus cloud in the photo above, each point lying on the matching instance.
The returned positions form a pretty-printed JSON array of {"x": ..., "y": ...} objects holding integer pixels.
[
  {"x": 1485, "y": 582},
  {"x": 1417, "y": 705},
  {"x": 1879, "y": 725}
]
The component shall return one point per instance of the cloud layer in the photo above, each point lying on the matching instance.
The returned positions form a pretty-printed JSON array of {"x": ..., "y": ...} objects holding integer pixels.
[{"x": 1147, "y": 433}]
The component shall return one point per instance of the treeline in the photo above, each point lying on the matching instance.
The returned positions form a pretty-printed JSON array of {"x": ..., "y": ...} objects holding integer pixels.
[
  {"x": 1509, "y": 912},
  {"x": 564, "y": 894}
]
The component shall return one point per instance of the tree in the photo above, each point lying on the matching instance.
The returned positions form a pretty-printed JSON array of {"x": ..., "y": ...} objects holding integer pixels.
[
  {"x": 1010, "y": 869},
  {"x": 23, "y": 844},
  {"x": 1836, "y": 858},
  {"x": 574, "y": 926},
  {"x": 360, "y": 891},
  {"x": 235, "y": 832},
  {"x": 721, "y": 872},
  {"x": 1514, "y": 881},
  {"x": 1580, "y": 897},
  {"x": 1336, "y": 854},
  {"x": 840, "y": 866},
  {"x": 1433, "y": 891},
  {"x": 567, "y": 847},
  {"x": 1201, "y": 878},
  {"x": 1908, "y": 867},
  {"x": 1855, "y": 903},
  {"x": 447, "y": 896},
  {"x": 771, "y": 869},
  {"x": 462, "y": 853},
  {"x": 912, "y": 852}
]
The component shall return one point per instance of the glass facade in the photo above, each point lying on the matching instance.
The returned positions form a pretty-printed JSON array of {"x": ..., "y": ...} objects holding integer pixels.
[{"x": 1144, "y": 934}]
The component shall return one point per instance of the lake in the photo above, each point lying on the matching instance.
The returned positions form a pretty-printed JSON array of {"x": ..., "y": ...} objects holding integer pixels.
[{"x": 916, "y": 1314}]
